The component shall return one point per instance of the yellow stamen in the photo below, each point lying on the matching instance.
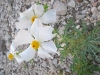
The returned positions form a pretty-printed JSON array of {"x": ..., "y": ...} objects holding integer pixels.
[
  {"x": 33, "y": 18},
  {"x": 10, "y": 56},
  {"x": 35, "y": 44}
]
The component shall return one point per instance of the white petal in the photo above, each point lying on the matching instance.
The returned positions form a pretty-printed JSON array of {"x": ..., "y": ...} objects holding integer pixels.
[
  {"x": 12, "y": 48},
  {"x": 22, "y": 37},
  {"x": 28, "y": 13},
  {"x": 34, "y": 29},
  {"x": 8, "y": 53},
  {"x": 43, "y": 54},
  {"x": 23, "y": 23},
  {"x": 50, "y": 47},
  {"x": 49, "y": 17},
  {"x": 28, "y": 54},
  {"x": 39, "y": 9},
  {"x": 18, "y": 59},
  {"x": 45, "y": 33},
  {"x": 39, "y": 22}
]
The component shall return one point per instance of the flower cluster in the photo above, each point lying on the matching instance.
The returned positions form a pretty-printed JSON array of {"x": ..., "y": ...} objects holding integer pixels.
[{"x": 38, "y": 36}]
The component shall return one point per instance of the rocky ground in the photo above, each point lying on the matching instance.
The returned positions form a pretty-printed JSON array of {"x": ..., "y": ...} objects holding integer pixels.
[{"x": 87, "y": 10}]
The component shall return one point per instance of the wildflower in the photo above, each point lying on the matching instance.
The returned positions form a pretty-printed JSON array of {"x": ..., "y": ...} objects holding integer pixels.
[
  {"x": 35, "y": 11},
  {"x": 40, "y": 43},
  {"x": 12, "y": 54}
]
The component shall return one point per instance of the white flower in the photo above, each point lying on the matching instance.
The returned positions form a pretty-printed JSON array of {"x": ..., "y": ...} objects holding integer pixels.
[
  {"x": 12, "y": 54},
  {"x": 35, "y": 11},
  {"x": 40, "y": 43}
]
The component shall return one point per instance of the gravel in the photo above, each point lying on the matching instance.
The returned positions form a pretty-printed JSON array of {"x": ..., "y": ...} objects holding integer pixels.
[{"x": 9, "y": 13}]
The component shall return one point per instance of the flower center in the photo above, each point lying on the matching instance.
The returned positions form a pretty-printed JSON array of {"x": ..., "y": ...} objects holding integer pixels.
[
  {"x": 35, "y": 44},
  {"x": 33, "y": 18},
  {"x": 10, "y": 56}
]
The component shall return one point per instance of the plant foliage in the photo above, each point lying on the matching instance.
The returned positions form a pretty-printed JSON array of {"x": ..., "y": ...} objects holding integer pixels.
[{"x": 84, "y": 45}]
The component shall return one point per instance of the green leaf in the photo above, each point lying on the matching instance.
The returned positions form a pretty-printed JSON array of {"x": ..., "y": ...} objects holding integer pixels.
[{"x": 45, "y": 7}]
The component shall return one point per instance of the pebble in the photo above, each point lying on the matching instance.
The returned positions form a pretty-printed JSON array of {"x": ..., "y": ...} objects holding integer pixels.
[
  {"x": 94, "y": 4},
  {"x": 60, "y": 8},
  {"x": 84, "y": 11},
  {"x": 80, "y": 1},
  {"x": 91, "y": 1},
  {"x": 9, "y": 8},
  {"x": 61, "y": 30},
  {"x": 55, "y": 62},
  {"x": 71, "y": 3},
  {"x": 94, "y": 12},
  {"x": 78, "y": 26},
  {"x": 80, "y": 16},
  {"x": 99, "y": 7}
]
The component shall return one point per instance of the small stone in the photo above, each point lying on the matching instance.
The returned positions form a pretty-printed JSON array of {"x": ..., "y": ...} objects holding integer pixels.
[
  {"x": 93, "y": 9},
  {"x": 9, "y": 8},
  {"x": 91, "y": 0},
  {"x": 2, "y": 46},
  {"x": 61, "y": 30},
  {"x": 68, "y": 69},
  {"x": 2, "y": 73},
  {"x": 78, "y": 26},
  {"x": 86, "y": 2},
  {"x": 80, "y": 16},
  {"x": 96, "y": 73},
  {"x": 80, "y": 1},
  {"x": 1, "y": 42},
  {"x": 77, "y": 21},
  {"x": 63, "y": 44},
  {"x": 52, "y": 1},
  {"x": 44, "y": 64},
  {"x": 84, "y": 11},
  {"x": 60, "y": 8},
  {"x": 7, "y": 36},
  {"x": 94, "y": 4},
  {"x": 99, "y": 7},
  {"x": 54, "y": 62},
  {"x": 63, "y": 0},
  {"x": 98, "y": 17},
  {"x": 94, "y": 12},
  {"x": 71, "y": 3},
  {"x": 64, "y": 23}
]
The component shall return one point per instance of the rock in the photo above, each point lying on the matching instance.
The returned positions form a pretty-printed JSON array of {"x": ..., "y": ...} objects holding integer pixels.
[
  {"x": 2, "y": 46},
  {"x": 96, "y": 73},
  {"x": 99, "y": 7},
  {"x": 94, "y": 12},
  {"x": 86, "y": 2},
  {"x": 71, "y": 3},
  {"x": 80, "y": 16},
  {"x": 9, "y": 8},
  {"x": 61, "y": 30},
  {"x": 1, "y": 42},
  {"x": 7, "y": 36},
  {"x": 80, "y": 1},
  {"x": 52, "y": 1},
  {"x": 84, "y": 11},
  {"x": 91, "y": 0},
  {"x": 54, "y": 62},
  {"x": 78, "y": 26},
  {"x": 60, "y": 8},
  {"x": 44, "y": 64},
  {"x": 63, "y": 44},
  {"x": 2, "y": 73},
  {"x": 94, "y": 4}
]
